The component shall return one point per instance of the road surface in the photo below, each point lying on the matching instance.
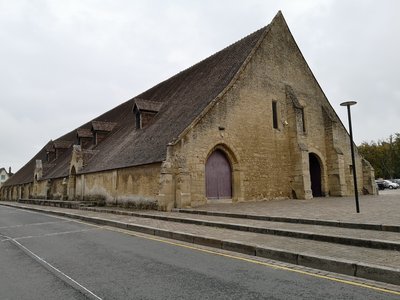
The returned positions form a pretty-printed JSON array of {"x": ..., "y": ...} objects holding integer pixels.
[{"x": 48, "y": 257}]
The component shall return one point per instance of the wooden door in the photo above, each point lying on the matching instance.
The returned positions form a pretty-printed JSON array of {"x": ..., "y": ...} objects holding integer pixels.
[{"x": 218, "y": 176}]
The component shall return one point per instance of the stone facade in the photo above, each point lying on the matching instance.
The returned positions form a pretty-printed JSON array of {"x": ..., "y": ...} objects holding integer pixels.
[
  {"x": 267, "y": 162},
  {"x": 272, "y": 122},
  {"x": 4, "y": 175}
]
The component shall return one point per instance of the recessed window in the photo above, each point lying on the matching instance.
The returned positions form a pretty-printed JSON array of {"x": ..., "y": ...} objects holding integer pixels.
[
  {"x": 275, "y": 114},
  {"x": 302, "y": 120},
  {"x": 138, "y": 119}
]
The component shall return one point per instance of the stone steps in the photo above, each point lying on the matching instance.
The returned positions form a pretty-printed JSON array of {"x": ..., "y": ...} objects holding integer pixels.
[
  {"x": 367, "y": 238},
  {"x": 376, "y": 264},
  {"x": 334, "y": 223}
]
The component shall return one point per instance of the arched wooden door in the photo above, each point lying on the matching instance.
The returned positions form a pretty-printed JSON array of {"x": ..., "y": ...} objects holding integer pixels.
[
  {"x": 218, "y": 176},
  {"x": 315, "y": 175}
]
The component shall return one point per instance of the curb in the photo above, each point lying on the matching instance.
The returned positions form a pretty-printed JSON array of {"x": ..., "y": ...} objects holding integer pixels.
[
  {"x": 351, "y": 241},
  {"x": 356, "y": 269},
  {"x": 368, "y": 226}
]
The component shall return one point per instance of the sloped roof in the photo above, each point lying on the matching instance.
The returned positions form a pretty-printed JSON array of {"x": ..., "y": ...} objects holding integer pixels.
[
  {"x": 183, "y": 97},
  {"x": 25, "y": 174},
  {"x": 61, "y": 166},
  {"x": 178, "y": 101},
  {"x": 62, "y": 144},
  {"x": 50, "y": 147},
  {"x": 84, "y": 133},
  {"x": 103, "y": 126},
  {"x": 147, "y": 105}
]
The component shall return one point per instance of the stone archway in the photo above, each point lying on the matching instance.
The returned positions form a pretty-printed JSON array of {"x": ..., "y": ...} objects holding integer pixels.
[
  {"x": 218, "y": 172},
  {"x": 315, "y": 175}
]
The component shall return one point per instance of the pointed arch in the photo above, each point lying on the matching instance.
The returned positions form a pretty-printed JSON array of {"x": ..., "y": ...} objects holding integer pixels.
[
  {"x": 316, "y": 173},
  {"x": 218, "y": 176}
]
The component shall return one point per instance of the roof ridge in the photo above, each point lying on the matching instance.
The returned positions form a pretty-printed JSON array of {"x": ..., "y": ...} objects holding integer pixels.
[
  {"x": 140, "y": 96},
  {"x": 231, "y": 82}
]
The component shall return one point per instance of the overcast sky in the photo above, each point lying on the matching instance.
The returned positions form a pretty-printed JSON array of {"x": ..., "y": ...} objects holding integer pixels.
[{"x": 65, "y": 62}]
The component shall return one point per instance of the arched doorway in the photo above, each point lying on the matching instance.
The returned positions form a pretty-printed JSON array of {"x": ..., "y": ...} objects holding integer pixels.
[
  {"x": 315, "y": 175},
  {"x": 218, "y": 176}
]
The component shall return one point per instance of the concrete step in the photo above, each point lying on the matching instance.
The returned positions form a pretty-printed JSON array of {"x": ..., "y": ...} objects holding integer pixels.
[
  {"x": 376, "y": 239},
  {"x": 375, "y": 264},
  {"x": 335, "y": 223},
  {"x": 60, "y": 203}
]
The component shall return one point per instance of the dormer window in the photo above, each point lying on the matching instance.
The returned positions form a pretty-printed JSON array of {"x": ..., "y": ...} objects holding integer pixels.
[
  {"x": 60, "y": 147},
  {"x": 101, "y": 129},
  {"x": 144, "y": 111},
  {"x": 85, "y": 137},
  {"x": 50, "y": 152}
]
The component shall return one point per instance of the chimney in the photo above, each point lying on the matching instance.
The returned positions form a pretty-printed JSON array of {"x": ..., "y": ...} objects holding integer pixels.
[{"x": 9, "y": 170}]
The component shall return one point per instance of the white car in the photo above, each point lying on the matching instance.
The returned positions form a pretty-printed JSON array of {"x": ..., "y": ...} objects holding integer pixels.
[{"x": 390, "y": 185}]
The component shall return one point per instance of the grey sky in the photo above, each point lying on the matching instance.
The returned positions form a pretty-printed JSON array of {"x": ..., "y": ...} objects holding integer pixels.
[{"x": 65, "y": 62}]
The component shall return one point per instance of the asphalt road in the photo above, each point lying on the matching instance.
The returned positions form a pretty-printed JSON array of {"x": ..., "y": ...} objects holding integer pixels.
[{"x": 47, "y": 257}]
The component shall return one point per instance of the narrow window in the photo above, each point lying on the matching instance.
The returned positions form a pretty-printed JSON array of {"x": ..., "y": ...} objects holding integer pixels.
[
  {"x": 302, "y": 120},
  {"x": 138, "y": 118},
  {"x": 274, "y": 115}
]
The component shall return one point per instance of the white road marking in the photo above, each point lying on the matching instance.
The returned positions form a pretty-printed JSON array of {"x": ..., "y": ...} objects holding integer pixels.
[
  {"x": 49, "y": 234},
  {"x": 27, "y": 209},
  {"x": 35, "y": 224},
  {"x": 57, "y": 272}
]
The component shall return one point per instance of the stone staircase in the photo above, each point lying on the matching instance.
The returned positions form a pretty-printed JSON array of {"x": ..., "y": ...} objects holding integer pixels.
[{"x": 365, "y": 250}]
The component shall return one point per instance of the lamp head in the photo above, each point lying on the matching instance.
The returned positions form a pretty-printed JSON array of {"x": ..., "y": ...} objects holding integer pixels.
[{"x": 348, "y": 103}]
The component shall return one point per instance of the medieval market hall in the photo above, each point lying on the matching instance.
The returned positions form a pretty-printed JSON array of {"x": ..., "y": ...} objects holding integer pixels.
[{"x": 247, "y": 123}]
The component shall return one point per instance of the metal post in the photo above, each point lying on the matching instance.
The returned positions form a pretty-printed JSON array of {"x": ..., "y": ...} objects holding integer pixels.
[{"x": 348, "y": 104}]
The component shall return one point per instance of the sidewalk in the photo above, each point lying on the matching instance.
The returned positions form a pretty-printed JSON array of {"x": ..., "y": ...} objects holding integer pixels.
[
  {"x": 380, "y": 209},
  {"x": 323, "y": 247}
]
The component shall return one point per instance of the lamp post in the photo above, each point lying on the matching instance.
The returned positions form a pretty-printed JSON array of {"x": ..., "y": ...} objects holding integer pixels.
[{"x": 348, "y": 104}]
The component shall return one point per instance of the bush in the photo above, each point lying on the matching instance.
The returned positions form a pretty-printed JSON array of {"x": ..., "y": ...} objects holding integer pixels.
[
  {"x": 137, "y": 202},
  {"x": 99, "y": 199}
]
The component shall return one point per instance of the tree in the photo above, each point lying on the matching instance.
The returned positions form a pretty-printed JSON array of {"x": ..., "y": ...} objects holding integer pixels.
[{"x": 384, "y": 156}]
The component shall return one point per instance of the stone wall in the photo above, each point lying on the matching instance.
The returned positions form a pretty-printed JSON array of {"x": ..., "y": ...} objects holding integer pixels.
[
  {"x": 266, "y": 162},
  {"x": 119, "y": 184}
]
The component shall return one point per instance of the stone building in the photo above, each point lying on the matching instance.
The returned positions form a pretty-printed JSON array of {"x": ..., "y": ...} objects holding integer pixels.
[
  {"x": 248, "y": 123},
  {"x": 4, "y": 175}
]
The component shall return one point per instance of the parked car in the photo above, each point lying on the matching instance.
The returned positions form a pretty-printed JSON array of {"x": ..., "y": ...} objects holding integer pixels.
[
  {"x": 390, "y": 185},
  {"x": 380, "y": 185},
  {"x": 395, "y": 181}
]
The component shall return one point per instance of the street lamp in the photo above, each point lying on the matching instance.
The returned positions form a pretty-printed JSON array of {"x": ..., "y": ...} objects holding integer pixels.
[{"x": 348, "y": 104}]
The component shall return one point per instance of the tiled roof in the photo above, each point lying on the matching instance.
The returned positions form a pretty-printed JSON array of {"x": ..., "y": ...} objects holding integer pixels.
[
  {"x": 178, "y": 100},
  {"x": 50, "y": 147},
  {"x": 183, "y": 98},
  {"x": 103, "y": 126},
  {"x": 62, "y": 144},
  {"x": 146, "y": 105},
  {"x": 25, "y": 174},
  {"x": 84, "y": 133}
]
